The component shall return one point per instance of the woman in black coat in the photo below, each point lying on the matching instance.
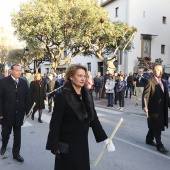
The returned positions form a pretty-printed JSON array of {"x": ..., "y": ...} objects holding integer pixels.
[
  {"x": 73, "y": 114},
  {"x": 37, "y": 91}
]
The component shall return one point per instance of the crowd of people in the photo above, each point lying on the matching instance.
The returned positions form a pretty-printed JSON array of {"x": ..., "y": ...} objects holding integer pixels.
[
  {"x": 74, "y": 112},
  {"x": 117, "y": 86},
  {"x": 39, "y": 86},
  {"x": 153, "y": 88},
  {"x": 17, "y": 95}
]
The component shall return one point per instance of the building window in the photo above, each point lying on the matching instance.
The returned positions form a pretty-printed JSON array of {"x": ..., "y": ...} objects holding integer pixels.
[
  {"x": 116, "y": 11},
  {"x": 162, "y": 49},
  {"x": 47, "y": 70},
  {"x": 89, "y": 66},
  {"x": 100, "y": 67},
  {"x": 65, "y": 53},
  {"x": 164, "y": 20}
]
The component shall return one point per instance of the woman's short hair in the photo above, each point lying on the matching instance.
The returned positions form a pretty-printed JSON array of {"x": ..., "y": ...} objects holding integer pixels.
[
  {"x": 36, "y": 75},
  {"x": 71, "y": 70}
]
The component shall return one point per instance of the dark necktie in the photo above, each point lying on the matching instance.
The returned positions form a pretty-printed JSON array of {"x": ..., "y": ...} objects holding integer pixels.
[{"x": 16, "y": 81}]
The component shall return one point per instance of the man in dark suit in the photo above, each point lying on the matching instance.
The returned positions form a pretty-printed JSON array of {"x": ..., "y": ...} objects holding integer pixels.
[
  {"x": 157, "y": 103},
  {"x": 14, "y": 104},
  {"x": 1, "y": 77}
]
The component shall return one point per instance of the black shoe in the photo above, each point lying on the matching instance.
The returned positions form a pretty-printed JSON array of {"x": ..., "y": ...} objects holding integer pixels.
[
  {"x": 32, "y": 117},
  {"x": 19, "y": 158},
  {"x": 49, "y": 111},
  {"x": 151, "y": 143},
  {"x": 125, "y": 97},
  {"x": 3, "y": 150},
  {"x": 39, "y": 120},
  {"x": 111, "y": 105},
  {"x": 162, "y": 149},
  {"x": 108, "y": 105}
]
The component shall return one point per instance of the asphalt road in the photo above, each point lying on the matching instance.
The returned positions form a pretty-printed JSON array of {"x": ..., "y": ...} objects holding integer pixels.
[{"x": 131, "y": 151}]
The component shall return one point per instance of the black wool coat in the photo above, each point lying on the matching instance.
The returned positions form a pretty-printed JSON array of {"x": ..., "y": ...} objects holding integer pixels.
[
  {"x": 158, "y": 103},
  {"x": 1, "y": 76},
  {"x": 70, "y": 124},
  {"x": 38, "y": 94},
  {"x": 14, "y": 103}
]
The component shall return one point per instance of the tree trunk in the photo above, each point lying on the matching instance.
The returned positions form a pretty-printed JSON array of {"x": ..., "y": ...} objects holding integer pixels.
[
  {"x": 36, "y": 70},
  {"x": 110, "y": 66}
]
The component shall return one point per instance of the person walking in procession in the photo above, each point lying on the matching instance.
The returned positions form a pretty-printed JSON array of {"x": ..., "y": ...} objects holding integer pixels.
[
  {"x": 38, "y": 95},
  {"x": 14, "y": 104},
  {"x": 157, "y": 103},
  {"x": 72, "y": 116}
]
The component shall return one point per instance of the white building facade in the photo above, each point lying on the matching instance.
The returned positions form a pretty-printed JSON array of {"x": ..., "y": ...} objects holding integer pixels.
[{"x": 152, "y": 20}]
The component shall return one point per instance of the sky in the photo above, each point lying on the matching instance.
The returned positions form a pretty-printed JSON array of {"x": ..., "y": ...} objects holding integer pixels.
[{"x": 6, "y": 7}]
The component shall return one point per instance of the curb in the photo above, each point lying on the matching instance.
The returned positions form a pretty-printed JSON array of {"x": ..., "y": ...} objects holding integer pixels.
[{"x": 104, "y": 101}]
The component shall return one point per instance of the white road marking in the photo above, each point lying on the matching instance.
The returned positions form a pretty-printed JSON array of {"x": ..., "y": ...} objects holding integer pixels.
[
  {"x": 137, "y": 115},
  {"x": 46, "y": 118},
  {"x": 140, "y": 147},
  {"x": 107, "y": 121},
  {"x": 135, "y": 145},
  {"x": 108, "y": 110},
  {"x": 26, "y": 124},
  {"x": 100, "y": 114}
]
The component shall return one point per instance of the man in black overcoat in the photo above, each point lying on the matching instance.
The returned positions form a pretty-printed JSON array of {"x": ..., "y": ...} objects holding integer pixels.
[
  {"x": 14, "y": 104},
  {"x": 157, "y": 101}
]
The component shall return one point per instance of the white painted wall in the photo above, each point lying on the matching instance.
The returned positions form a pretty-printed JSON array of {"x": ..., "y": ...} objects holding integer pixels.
[
  {"x": 84, "y": 60},
  {"x": 122, "y": 10},
  {"x": 151, "y": 24},
  {"x": 45, "y": 67},
  {"x": 132, "y": 12}
]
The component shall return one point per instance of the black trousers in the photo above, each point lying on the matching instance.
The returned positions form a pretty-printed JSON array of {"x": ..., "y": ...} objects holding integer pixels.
[
  {"x": 154, "y": 134},
  {"x": 6, "y": 131},
  {"x": 115, "y": 96},
  {"x": 121, "y": 98}
]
